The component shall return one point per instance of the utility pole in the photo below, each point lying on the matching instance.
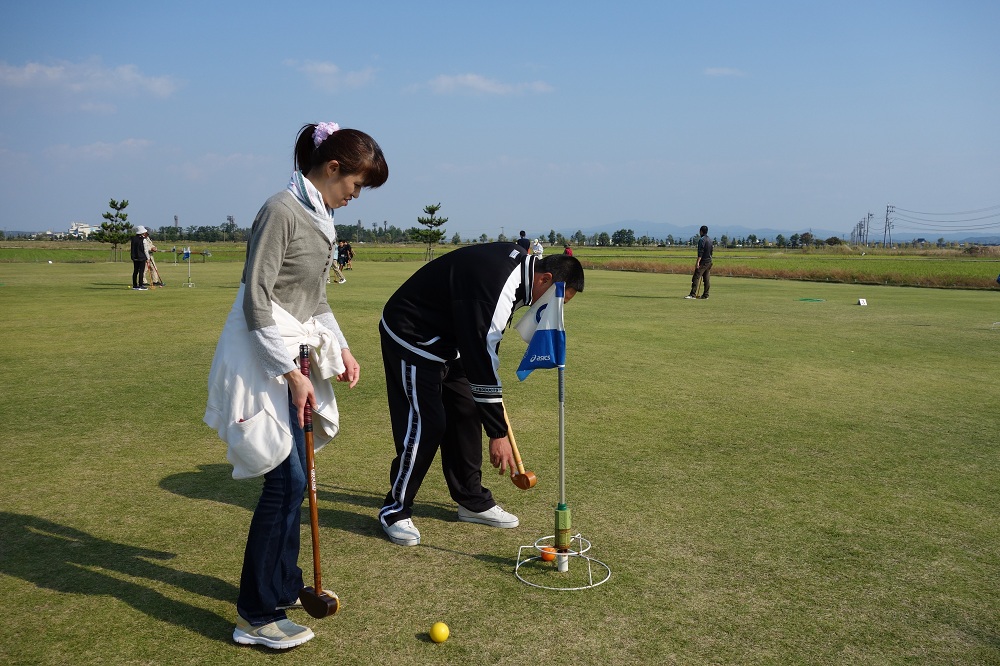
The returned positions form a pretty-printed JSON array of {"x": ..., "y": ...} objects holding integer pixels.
[{"x": 888, "y": 226}]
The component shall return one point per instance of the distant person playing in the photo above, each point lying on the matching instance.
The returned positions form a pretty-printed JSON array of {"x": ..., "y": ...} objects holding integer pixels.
[
  {"x": 154, "y": 272},
  {"x": 536, "y": 248},
  {"x": 567, "y": 250},
  {"x": 524, "y": 242},
  {"x": 139, "y": 258},
  {"x": 336, "y": 271},
  {"x": 335, "y": 266},
  {"x": 441, "y": 334},
  {"x": 342, "y": 256},
  {"x": 350, "y": 255},
  {"x": 703, "y": 266}
]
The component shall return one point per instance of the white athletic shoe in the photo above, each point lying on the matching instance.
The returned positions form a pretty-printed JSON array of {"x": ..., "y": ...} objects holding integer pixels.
[
  {"x": 403, "y": 533},
  {"x": 690, "y": 296},
  {"x": 279, "y": 635},
  {"x": 494, "y": 517},
  {"x": 341, "y": 280}
]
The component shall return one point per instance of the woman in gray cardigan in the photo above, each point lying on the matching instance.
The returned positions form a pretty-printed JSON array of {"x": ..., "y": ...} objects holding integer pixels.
[{"x": 289, "y": 256}]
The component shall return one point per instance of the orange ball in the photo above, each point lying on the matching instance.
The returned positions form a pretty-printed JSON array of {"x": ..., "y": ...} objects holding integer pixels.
[{"x": 548, "y": 554}]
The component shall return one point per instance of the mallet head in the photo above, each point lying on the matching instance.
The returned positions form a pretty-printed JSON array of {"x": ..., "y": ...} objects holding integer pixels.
[
  {"x": 321, "y": 605},
  {"x": 526, "y": 480}
]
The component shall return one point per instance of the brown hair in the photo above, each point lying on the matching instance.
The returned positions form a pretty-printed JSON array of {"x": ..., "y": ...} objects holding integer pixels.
[{"x": 354, "y": 151}]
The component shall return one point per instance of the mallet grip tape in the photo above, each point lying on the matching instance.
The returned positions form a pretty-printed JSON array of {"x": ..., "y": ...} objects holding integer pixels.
[{"x": 304, "y": 369}]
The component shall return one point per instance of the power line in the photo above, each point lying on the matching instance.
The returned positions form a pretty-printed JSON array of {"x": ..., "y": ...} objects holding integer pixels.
[
  {"x": 925, "y": 224},
  {"x": 907, "y": 224},
  {"x": 965, "y": 212},
  {"x": 969, "y": 219}
]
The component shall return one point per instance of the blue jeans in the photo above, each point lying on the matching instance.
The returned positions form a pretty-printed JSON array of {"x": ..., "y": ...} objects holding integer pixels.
[{"x": 271, "y": 574}]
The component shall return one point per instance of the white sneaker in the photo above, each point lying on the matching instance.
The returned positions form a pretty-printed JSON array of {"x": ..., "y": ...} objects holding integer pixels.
[
  {"x": 341, "y": 280},
  {"x": 494, "y": 517},
  {"x": 403, "y": 533},
  {"x": 690, "y": 296},
  {"x": 279, "y": 635}
]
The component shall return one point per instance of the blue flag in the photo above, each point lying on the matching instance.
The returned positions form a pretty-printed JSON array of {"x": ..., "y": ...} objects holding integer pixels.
[{"x": 547, "y": 344}]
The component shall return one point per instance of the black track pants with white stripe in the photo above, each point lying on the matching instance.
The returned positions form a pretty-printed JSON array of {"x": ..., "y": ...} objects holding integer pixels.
[{"x": 431, "y": 407}]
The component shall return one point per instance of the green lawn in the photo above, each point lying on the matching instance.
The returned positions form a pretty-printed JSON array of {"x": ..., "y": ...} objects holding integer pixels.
[
  {"x": 945, "y": 268},
  {"x": 771, "y": 480}
]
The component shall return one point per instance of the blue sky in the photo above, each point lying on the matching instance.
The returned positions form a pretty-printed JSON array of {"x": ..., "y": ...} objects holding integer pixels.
[{"x": 534, "y": 115}]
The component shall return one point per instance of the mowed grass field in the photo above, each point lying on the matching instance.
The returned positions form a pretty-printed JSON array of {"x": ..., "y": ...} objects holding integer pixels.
[
  {"x": 950, "y": 268},
  {"x": 771, "y": 480}
]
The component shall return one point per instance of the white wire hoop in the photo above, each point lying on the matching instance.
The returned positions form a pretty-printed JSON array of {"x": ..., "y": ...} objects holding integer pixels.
[{"x": 582, "y": 546}]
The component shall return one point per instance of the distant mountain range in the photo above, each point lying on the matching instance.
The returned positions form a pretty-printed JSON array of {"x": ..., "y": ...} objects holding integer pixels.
[{"x": 660, "y": 230}]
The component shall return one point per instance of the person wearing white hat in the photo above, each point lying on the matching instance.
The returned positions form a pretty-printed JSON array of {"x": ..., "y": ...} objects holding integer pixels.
[{"x": 139, "y": 258}]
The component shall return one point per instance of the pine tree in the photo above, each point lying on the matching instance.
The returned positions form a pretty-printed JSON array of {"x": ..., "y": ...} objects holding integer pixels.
[
  {"x": 116, "y": 229},
  {"x": 431, "y": 235}
]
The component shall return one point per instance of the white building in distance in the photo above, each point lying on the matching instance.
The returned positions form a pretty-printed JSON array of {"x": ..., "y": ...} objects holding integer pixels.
[{"x": 80, "y": 229}]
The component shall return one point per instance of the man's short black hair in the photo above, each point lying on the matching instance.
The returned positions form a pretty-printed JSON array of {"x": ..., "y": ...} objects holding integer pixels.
[
  {"x": 704, "y": 230},
  {"x": 564, "y": 268}
]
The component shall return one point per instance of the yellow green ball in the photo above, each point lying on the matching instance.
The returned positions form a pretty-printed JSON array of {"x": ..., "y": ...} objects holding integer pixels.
[{"x": 439, "y": 632}]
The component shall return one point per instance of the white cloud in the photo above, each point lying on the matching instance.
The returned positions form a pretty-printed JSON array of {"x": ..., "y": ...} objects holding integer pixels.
[
  {"x": 99, "y": 151},
  {"x": 477, "y": 83},
  {"x": 328, "y": 77},
  {"x": 723, "y": 71},
  {"x": 84, "y": 78}
]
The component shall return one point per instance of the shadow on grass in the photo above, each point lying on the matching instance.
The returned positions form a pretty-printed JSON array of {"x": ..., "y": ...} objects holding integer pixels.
[
  {"x": 123, "y": 286},
  {"x": 505, "y": 563},
  {"x": 215, "y": 483},
  {"x": 63, "y": 559},
  {"x": 111, "y": 286}
]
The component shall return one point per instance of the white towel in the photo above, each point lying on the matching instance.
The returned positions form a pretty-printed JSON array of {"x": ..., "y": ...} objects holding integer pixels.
[{"x": 249, "y": 410}]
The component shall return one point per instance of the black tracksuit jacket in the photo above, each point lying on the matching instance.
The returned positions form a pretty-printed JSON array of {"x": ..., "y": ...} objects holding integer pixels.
[{"x": 458, "y": 305}]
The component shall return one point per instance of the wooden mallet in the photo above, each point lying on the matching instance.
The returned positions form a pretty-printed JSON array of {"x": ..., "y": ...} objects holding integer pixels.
[
  {"x": 315, "y": 600},
  {"x": 523, "y": 480}
]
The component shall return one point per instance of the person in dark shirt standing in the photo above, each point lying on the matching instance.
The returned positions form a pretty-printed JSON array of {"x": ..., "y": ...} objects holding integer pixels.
[
  {"x": 139, "y": 258},
  {"x": 703, "y": 266},
  {"x": 524, "y": 242},
  {"x": 349, "y": 251},
  {"x": 441, "y": 334}
]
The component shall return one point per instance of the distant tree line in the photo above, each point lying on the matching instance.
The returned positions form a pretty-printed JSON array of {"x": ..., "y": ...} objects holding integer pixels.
[
  {"x": 117, "y": 230},
  {"x": 230, "y": 232}
]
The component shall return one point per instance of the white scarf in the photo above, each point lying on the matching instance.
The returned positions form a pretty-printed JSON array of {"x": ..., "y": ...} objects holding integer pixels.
[{"x": 310, "y": 198}]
